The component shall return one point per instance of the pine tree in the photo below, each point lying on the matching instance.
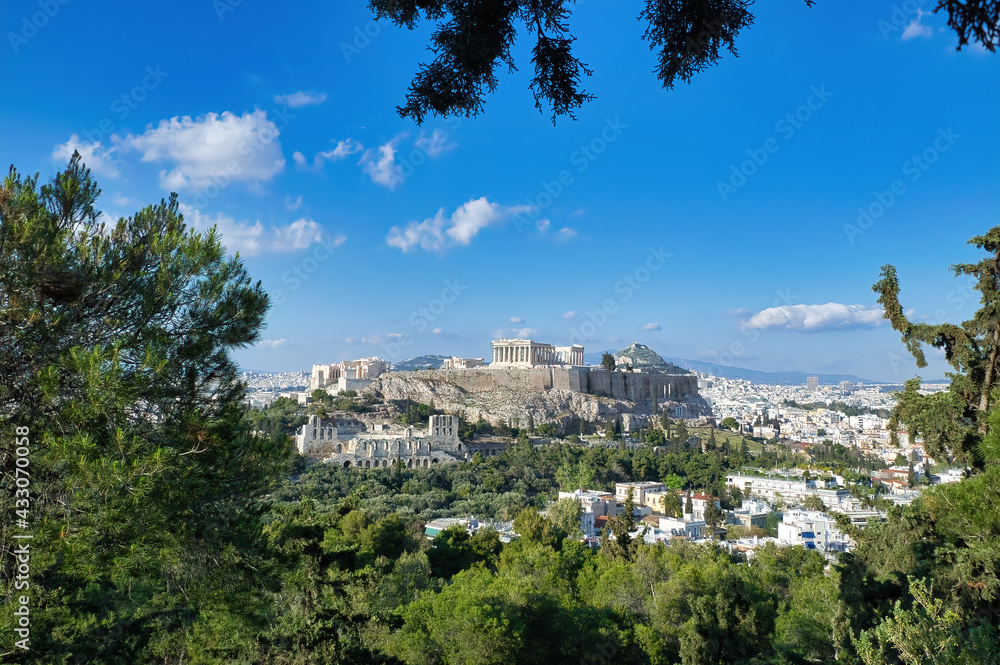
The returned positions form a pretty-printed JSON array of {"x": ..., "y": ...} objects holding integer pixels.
[
  {"x": 116, "y": 355},
  {"x": 689, "y": 504},
  {"x": 952, "y": 423},
  {"x": 687, "y": 37}
]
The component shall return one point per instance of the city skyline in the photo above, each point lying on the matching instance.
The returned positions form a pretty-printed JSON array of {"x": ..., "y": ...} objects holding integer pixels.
[{"x": 739, "y": 220}]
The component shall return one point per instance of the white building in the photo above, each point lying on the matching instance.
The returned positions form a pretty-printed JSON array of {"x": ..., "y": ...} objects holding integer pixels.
[
  {"x": 789, "y": 490},
  {"x": 689, "y": 528},
  {"x": 813, "y": 530},
  {"x": 639, "y": 491},
  {"x": 527, "y": 353},
  {"x": 379, "y": 445},
  {"x": 462, "y": 363},
  {"x": 347, "y": 374},
  {"x": 595, "y": 504}
]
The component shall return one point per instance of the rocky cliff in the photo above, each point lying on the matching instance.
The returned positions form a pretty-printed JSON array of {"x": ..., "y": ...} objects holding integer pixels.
[{"x": 511, "y": 402}]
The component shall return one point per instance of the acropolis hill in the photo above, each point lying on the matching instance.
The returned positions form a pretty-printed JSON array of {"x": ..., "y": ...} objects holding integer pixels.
[{"x": 515, "y": 387}]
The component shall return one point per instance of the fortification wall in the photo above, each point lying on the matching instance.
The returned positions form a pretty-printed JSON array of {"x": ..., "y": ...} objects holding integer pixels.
[
  {"x": 634, "y": 386},
  {"x": 484, "y": 379}
]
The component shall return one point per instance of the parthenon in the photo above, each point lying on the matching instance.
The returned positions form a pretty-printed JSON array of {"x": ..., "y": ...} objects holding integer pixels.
[{"x": 527, "y": 353}]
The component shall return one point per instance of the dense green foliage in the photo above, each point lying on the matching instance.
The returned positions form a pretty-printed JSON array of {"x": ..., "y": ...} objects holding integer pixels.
[
  {"x": 171, "y": 525},
  {"x": 146, "y": 483},
  {"x": 471, "y": 40}
]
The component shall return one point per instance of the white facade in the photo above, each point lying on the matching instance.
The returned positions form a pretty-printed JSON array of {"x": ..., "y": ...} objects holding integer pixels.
[
  {"x": 381, "y": 446},
  {"x": 325, "y": 376},
  {"x": 813, "y": 530},
  {"x": 462, "y": 363},
  {"x": 527, "y": 353},
  {"x": 689, "y": 528},
  {"x": 788, "y": 490},
  {"x": 594, "y": 504},
  {"x": 639, "y": 491}
]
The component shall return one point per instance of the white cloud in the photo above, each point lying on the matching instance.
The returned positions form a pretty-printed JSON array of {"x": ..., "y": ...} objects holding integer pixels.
[
  {"x": 652, "y": 326},
  {"x": 542, "y": 225},
  {"x": 394, "y": 335},
  {"x": 565, "y": 233},
  {"x": 274, "y": 343},
  {"x": 435, "y": 144},
  {"x": 380, "y": 165},
  {"x": 439, "y": 232},
  {"x": 343, "y": 149},
  {"x": 96, "y": 157},
  {"x": 293, "y": 205},
  {"x": 569, "y": 315},
  {"x": 212, "y": 149},
  {"x": 300, "y": 99},
  {"x": 251, "y": 239},
  {"x": 915, "y": 29},
  {"x": 121, "y": 200},
  {"x": 831, "y": 316},
  {"x": 506, "y": 333},
  {"x": 437, "y": 331},
  {"x": 516, "y": 319}
]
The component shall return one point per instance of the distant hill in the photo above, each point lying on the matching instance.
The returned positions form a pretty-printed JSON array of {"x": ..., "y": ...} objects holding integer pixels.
[
  {"x": 757, "y": 376},
  {"x": 420, "y": 362},
  {"x": 640, "y": 356}
]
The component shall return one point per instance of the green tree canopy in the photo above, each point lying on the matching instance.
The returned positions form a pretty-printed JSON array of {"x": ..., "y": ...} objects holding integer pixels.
[
  {"x": 952, "y": 423},
  {"x": 115, "y": 344},
  {"x": 472, "y": 40}
]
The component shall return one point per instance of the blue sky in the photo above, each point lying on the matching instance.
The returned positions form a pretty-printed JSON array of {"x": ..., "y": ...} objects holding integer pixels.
[{"x": 634, "y": 222}]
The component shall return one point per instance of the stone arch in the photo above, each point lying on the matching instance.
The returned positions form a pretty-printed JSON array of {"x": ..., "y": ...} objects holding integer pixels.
[
  {"x": 409, "y": 464},
  {"x": 427, "y": 464},
  {"x": 339, "y": 448},
  {"x": 435, "y": 460},
  {"x": 368, "y": 464},
  {"x": 347, "y": 464}
]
